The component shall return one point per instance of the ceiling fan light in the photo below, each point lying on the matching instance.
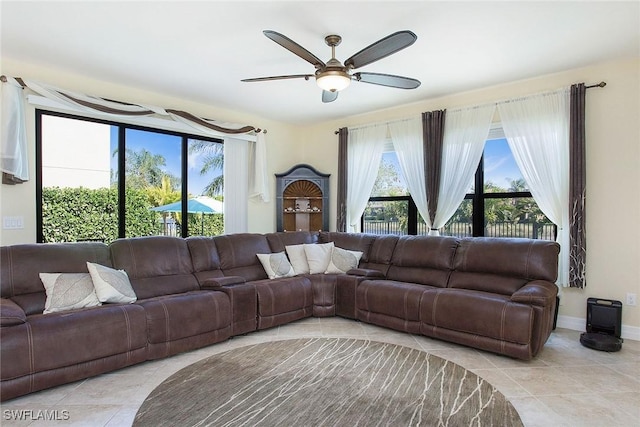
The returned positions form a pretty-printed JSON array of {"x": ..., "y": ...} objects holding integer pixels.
[{"x": 333, "y": 81}]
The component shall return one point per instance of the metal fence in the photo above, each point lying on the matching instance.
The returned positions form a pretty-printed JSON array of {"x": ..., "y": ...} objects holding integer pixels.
[{"x": 530, "y": 230}]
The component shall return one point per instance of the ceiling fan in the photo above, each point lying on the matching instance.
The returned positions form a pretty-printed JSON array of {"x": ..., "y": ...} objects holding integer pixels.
[{"x": 333, "y": 76}]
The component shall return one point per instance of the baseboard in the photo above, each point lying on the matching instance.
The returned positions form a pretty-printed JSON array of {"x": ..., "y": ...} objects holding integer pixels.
[{"x": 579, "y": 324}]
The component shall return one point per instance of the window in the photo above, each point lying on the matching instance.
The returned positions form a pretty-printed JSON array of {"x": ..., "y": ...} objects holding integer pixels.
[
  {"x": 499, "y": 203},
  {"x": 391, "y": 209},
  {"x": 99, "y": 180},
  {"x": 502, "y": 207}
]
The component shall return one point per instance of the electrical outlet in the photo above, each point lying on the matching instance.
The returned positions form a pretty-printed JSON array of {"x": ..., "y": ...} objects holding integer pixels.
[{"x": 631, "y": 299}]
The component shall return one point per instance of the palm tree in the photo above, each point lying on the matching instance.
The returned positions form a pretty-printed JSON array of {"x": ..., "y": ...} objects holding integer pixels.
[
  {"x": 213, "y": 161},
  {"x": 164, "y": 195},
  {"x": 144, "y": 169}
]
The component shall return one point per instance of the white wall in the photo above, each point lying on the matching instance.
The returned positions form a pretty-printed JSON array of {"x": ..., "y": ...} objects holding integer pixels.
[
  {"x": 613, "y": 174},
  {"x": 613, "y": 157}
]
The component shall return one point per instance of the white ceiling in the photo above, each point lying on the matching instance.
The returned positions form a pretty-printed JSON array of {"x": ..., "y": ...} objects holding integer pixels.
[{"x": 200, "y": 50}]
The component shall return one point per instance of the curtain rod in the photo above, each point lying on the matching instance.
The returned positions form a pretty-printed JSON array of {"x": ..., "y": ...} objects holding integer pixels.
[
  {"x": 601, "y": 84},
  {"x": 3, "y": 79},
  {"x": 404, "y": 119}
]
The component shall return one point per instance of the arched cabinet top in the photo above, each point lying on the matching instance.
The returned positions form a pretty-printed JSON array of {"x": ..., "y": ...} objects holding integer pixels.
[{"x": 303, "y": 171}]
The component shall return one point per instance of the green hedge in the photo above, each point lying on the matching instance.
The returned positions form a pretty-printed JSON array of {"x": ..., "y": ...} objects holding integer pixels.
[{"x": 74, "y": 214}]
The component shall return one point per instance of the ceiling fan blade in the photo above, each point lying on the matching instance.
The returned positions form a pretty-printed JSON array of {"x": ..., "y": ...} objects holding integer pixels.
[
  {"x": 387, "y": 80},
  {"x": 294, "y": 47},
  {"x": 381, "y": 49},
  {"x": 293, "y": 76},
  {"x": 329, "y": 96}
]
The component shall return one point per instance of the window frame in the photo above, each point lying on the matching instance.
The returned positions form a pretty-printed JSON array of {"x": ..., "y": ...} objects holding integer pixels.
[
  {"x": 412, "y": 211},
  {"x": 477, "y": 197},
  {"x": 122, "y": 128},
  {"x": 478, "y": 200}
]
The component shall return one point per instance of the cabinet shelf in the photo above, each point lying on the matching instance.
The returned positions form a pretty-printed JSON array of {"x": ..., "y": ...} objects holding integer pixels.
[{"x": 301, "y": 197}]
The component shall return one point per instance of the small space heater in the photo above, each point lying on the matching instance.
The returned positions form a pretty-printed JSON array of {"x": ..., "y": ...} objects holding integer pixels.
[{"x": 604, "y": 322}]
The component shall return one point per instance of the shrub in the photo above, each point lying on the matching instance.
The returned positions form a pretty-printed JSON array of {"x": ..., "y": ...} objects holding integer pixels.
[{"x": 75, "y": 214}]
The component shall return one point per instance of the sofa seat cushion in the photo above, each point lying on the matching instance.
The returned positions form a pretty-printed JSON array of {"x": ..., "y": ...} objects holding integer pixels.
[
  {"x": 283, "y": 295},
  {"x": 478, "y": 313},
  {"x": 391, "y": 298},
  {"x": 57, "y": 340},
  {"x": 173, "y": 317}
]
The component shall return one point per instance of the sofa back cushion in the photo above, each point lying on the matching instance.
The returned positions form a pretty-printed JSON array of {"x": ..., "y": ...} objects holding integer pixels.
[
  {"x": 427, "y": 260},
  {"x": 22, "y": 264},
  {"x": 380, "y": 253},
  {"x": 204, "y": 257},
  {"x": 503, "y": 265},
  {"x": 351, "y": 241},
  {"x": 238, "y": 254},
  {"x": 278, "y": 241},
  {"x": 156, "y": 265}
]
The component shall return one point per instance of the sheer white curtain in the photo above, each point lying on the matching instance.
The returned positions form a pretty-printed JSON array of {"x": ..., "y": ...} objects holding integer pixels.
[
  {"x": 407, "y": 143},
  {"x": 259, "y": 177},
  {"x": 537, "y": 130},
  {"x": 236, "y": 185},
  {"x": 465, "y": 132},
  {"x": 13, "y": 144},
  {"x": 364, "y": 152}
]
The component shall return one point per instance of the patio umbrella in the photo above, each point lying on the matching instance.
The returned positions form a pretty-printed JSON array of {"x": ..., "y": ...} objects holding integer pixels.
[{"x": 201, "y": 204}]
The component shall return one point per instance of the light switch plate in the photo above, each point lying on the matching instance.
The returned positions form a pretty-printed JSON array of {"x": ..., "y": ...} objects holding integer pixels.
[{"x": 13, "y": 222}]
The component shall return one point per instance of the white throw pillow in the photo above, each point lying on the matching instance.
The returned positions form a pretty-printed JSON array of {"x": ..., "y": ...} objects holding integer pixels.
[
  {"x": 343, "y": 260},
  {"x": 298, "y": 258},
  {"x": 276, "y": 265},
  {"x": 112, "y": 286},
  {"x": 318, "y": 256},
  {"x": 68, "y": 291}
]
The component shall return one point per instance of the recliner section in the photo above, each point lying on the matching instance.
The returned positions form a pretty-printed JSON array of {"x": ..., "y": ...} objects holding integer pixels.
[{"x": 493, "y": 294}]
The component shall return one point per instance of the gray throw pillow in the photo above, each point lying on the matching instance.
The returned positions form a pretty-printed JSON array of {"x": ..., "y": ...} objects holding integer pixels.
[{"x": 68, "y": 291}]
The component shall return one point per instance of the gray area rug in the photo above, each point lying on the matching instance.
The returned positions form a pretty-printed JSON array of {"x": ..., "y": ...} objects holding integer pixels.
[{"x": 325, "y": 382}]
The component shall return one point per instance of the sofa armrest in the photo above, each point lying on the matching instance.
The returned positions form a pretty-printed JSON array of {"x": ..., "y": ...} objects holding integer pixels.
[
  {"x": 365, "y": 272},
  {"x": 536, "y": 292},
  {"x": 218, "y": 282},
  {"x": 11, "y": 313}
]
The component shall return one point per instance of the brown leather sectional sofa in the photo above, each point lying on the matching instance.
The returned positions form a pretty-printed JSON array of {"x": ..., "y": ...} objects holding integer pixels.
[{"x": 492, "y": 294}]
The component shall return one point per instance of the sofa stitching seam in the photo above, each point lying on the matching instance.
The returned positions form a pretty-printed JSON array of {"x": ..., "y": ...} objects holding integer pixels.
[{"x": 31, "y": 358}]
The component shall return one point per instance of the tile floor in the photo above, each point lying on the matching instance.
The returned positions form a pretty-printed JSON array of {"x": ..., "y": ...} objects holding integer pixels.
[{"x": 566, "y": 385}]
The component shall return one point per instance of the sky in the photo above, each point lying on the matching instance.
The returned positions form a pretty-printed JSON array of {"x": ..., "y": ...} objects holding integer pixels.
[
  {"x": 168, "y": 146},
  {"x": 500, "y": 167}
]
